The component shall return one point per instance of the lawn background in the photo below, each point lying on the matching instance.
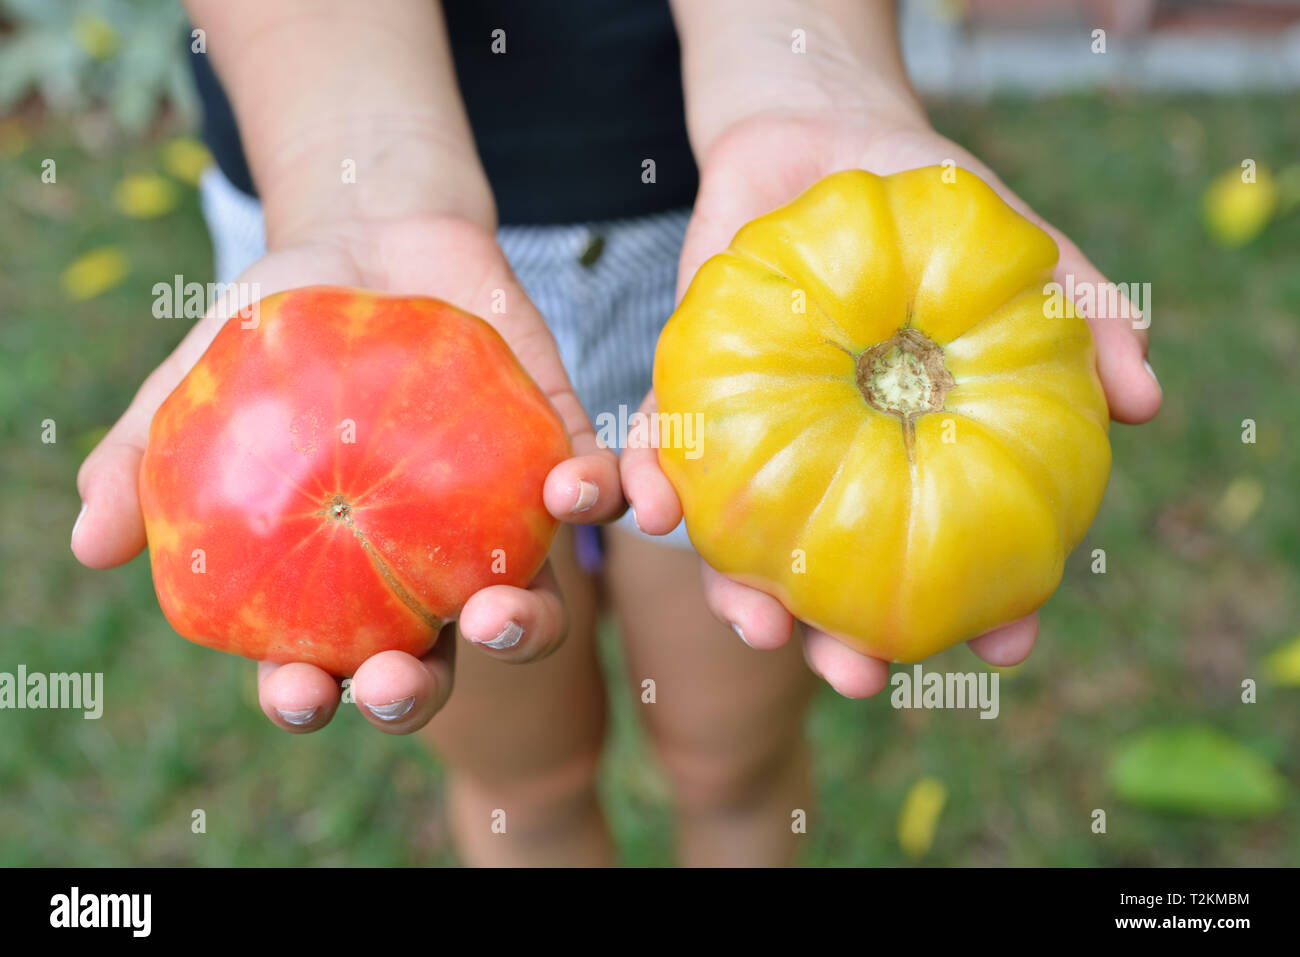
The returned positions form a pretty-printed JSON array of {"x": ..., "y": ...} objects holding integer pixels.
[{"x": 1193, "y": 598}]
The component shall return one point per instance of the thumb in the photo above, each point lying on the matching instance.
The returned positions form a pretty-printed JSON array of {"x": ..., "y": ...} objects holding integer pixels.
[
  {"x": 1118, "y": 330},
  {"x": 110, "y": 528}
]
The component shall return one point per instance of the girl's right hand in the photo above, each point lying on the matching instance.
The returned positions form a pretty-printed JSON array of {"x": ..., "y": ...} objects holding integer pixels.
[{"x": 447, "y": 258}]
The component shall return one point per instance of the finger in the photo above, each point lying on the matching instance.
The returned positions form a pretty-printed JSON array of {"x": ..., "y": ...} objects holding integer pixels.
[
  {"x": 514, "y": 624},
  {"x": 717, "y": 217},
  {"x": 585, "y": 488},
  {"x": 399, "y": 693},
  {"x": 1132, "y": 390},
  {"x": 758, "y": 619},
  {"x": 297, "y": 697},
  {"x": 463, "y": 264},
  {"x": 110, "y": 529},
  {"x": 1119, "y": 331},
  {"x": 1007, "y": 644},
  {"x": 725, "y": 203},
  {"x": 852, "y": 674},
  {"x": 654, "y": 502}
]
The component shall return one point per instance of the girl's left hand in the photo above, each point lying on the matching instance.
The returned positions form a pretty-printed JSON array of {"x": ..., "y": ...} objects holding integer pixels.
[{"x": 762, "y": 163}]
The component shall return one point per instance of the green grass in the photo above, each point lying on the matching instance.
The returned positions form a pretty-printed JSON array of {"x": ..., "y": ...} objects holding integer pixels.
[{"x": 1184, "y": 613}]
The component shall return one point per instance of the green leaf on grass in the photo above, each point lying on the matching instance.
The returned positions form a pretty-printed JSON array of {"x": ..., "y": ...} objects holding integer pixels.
[{"x": 1196, "y": 770}]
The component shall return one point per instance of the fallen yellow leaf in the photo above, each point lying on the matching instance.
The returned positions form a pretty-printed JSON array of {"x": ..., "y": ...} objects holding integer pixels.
[
  {"x": 145, "y": 196},
  {"x": 1240, "y": 500},
  {"x": 95, "y": 272},
  {"x": 1237, "y": 212},
  {"x": 185, "y": 158},
  {"x": 919, "y": 816}
]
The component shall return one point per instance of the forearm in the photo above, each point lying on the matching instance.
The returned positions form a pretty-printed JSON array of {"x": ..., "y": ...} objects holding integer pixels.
[
  {"x": 317, "y": 83},
  {"x": 738, "y": 60}
]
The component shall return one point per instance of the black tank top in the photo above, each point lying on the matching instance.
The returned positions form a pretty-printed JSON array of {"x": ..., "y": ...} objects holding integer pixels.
[{"x": 564, "y": 120}]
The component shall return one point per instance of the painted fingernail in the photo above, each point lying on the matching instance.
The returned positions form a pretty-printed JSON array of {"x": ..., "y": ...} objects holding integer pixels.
[
  {"x": 300, "y": 717},
  {"x": 80, "y": 516},
  {"x": 1152, "y": 373},
  {"x": 587, "y": 494},
  {"x": 509, "y": 637},
  {"x": 737, "y": 629},
  {"x": 393, "y": 710}
]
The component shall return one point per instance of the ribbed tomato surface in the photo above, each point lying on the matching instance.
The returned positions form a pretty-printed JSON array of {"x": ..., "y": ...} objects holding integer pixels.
[
  {"x": 338, "y": 479},
  {"x": 899, "y": 436}
]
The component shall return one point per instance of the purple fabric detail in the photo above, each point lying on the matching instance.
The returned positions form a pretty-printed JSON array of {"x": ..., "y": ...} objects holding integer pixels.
[{"x": 587, "y": 543}]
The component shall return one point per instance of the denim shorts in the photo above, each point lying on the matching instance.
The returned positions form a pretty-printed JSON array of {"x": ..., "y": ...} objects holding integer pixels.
[{"x": 605, "y": 289}]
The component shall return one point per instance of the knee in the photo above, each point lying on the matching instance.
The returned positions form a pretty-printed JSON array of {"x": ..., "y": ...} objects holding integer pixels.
[
  {"x": 535, "y": 793},
  {"x": 709, "y": 775}
]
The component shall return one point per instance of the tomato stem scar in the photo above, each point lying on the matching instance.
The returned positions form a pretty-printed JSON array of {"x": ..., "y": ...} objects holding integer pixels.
[{"x": 904, "y": 375}]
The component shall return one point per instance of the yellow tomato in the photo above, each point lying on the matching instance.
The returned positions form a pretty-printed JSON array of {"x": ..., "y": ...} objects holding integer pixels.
[{"x": 900, "y": 434}]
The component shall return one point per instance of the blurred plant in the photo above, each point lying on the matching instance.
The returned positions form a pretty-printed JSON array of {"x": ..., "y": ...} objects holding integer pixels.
[{"x": 127, "y": 55}]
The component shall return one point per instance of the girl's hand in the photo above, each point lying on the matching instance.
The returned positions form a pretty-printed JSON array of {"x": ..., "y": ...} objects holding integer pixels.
[
  {"x": 764, "y": 161},
  {"x": 448, "y": 258}
]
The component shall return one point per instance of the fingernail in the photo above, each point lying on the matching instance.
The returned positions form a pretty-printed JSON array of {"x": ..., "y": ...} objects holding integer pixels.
[
  {"x": 636, "y": 521},
  {"x": 299, "y": 717},
  {"x": 80, "y": 516},
  {"x": 736, "y": 628},
  {"x": 392, "y": 711},
  {"x": 1152, "y": 372},
  {"x": 587, "y": 493},
  {"x": 509, "y": 637}
]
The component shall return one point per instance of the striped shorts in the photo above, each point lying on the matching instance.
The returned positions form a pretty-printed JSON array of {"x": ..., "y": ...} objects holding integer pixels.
[{"x": 605, "y": 289}]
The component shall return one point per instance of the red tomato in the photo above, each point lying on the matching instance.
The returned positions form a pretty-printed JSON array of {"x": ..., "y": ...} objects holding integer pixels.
[{"x": 338, "y": 480}]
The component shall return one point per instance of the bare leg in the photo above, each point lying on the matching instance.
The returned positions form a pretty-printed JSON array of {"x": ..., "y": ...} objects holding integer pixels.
[
  {"x": 522, "y": 744},
  {"x": 728, "y": 720}
]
